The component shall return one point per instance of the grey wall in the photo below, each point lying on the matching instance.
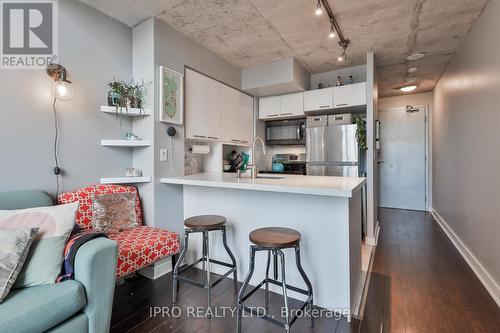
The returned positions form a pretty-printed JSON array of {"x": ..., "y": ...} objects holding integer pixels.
[
  {"x": 93, "y": 48},
  {"x": 174, "y": 50},
  {"x": 466, "y": 135}
]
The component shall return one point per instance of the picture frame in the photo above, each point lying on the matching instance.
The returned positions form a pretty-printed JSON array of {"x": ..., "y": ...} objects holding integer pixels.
[{"x": 171, "y": 96}]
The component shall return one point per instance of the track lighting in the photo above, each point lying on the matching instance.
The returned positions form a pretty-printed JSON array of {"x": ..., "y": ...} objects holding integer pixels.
[
  {"x": 332, "y": 32},
  {"x": 343, "y": 56},
  {"x": 408, "y": 88},
  {"x": 318, "y": 11}
]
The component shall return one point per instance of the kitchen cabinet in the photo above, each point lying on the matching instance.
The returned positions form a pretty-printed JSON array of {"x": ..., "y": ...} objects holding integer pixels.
[
  {"x": 319, "y": 99},
  {"x": 284, "y": 106},
  {"x": 292, "y": 105},
  {"x": 269, "y": 107},
  {"x": 246, "y": 119},
  {"x": 349, "y": 95},
  {"x": 203, "y": 106},
  {"x": 230, "y": 117}
]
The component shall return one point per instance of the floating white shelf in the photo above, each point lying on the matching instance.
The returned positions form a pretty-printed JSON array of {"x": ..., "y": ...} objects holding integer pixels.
[
  {"x": 125, "y": 180},
  {"x": 130, "y": 112},
  {"x": 125, "y": 143}
]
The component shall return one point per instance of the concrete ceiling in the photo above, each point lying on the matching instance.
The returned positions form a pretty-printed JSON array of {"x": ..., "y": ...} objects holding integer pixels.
[{"x": 253, "y": 32}]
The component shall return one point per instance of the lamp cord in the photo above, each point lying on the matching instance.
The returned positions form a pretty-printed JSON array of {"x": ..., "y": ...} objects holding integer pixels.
[{"x": 56, "y": 145}]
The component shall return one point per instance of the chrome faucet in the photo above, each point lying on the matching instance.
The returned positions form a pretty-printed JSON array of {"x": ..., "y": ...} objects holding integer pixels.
[{"x": 253, "y": 166}]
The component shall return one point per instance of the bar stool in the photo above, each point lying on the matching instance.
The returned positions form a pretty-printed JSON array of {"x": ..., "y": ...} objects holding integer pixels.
[
  {"x": 203, "y": 224},
  {"x": 273, "y": 240}
]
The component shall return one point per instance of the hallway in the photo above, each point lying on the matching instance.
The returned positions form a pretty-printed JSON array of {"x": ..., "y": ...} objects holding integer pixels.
[{"x": 420, "y": 282}]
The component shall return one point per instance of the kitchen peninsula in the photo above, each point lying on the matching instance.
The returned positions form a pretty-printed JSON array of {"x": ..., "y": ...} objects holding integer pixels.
[{"x": 325, "y": 210}]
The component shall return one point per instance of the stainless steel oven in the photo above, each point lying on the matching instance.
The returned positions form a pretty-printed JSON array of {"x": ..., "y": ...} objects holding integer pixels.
[{"x": 286, "y": 132}]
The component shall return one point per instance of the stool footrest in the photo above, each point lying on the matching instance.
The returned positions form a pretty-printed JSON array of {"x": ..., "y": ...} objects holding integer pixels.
[
  {"x": 199, "y": 284},
  {"x": 297, "y": 290}
]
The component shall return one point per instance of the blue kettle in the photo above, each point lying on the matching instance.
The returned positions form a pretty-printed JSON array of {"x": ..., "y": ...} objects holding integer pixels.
[{"x": 278, "y": 167}]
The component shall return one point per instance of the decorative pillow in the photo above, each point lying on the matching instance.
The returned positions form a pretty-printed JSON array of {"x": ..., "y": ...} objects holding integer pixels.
[
  {"x": 112, "y": 213},
  {"x": 85, "y": 195},
  {"x": 14, "y": 247},
  {"x": 46, "y": 254}
]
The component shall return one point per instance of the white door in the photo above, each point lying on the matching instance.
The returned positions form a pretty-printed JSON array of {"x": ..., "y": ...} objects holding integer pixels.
[
  {"x": 292, "y": 105},
  {"x": 195, "y": 105},
  {"x": 246, "y": 120},
  {"x": 402, "y": 164},
  {"x": 213, "y": 91},
  {"x": 230, "y": 119}
]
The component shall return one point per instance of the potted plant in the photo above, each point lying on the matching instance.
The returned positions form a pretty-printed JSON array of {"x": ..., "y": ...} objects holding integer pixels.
[
  {"x": 117, "y": 94},
  {"x": 361, "y": 132}
]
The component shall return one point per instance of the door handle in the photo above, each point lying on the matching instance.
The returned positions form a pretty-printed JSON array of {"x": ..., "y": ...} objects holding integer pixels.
[
  {"x": 287, "y": 114},
  {"x": 343, "y": 104},
  {"x": 199, "y": 136},
  {"x": 380, "y": 161},
  {"x": 213, "y": 137},
  {"x": 272, "y": 115},
  {"x": 324, "y": 106}
]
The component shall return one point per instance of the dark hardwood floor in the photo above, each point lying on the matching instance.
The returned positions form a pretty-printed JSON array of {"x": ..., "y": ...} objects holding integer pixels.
[{"x": 419, "y": 283}]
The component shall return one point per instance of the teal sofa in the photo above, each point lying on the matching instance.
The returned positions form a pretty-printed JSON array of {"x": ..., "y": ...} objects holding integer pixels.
[{"x": 80, "y": 305}]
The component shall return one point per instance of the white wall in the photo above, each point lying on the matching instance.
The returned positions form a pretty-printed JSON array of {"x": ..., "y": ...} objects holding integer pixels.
[
  {"x": 93, "y": 48},
  {"x": 466, "y": 136}
]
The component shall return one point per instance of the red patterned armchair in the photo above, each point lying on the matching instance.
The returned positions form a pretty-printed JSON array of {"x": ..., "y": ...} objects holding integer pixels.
[{"x": 137, "y": 247}]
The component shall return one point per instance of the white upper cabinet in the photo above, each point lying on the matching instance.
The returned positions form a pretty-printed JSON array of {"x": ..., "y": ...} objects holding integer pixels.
[
  {"x": 246, "y": 119},
  {"x": 216, "y": 111},
  {"x": 319, "y": 99},
  {"x": 284, "y": 106},
  {"x": 292, "y": 105},
  {"x": 349, "y": 95},
  {"x": 269, "y": 107},
  {"x": 195, "y": 105},
  {"x": 230, "y": 119},
  {"x": 213, "y": 90}
]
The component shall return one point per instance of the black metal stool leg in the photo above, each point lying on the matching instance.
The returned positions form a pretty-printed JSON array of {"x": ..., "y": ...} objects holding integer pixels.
[
  {"x": 208, "y": 282},
  {"x": 204, "y": 259},
  {"x": 283, "y": 286},
  {"x": 233, "y": 259},
  {"x": 175, "y": 282},
  {"x": 275, "y": 265},
  {"x": 306, "y": 280},
  {"x": 267, "y": 281},
  {"x": 241, "y": 294}
]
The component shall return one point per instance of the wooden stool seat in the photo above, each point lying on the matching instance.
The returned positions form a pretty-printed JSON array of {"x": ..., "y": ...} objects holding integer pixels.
[
  {"x": 275, "y": 237},
  {"x": 205, "y": 222}
]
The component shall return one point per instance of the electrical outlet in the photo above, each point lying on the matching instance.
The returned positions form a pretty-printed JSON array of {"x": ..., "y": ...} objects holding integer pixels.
[{"x": 163, "y": 155}]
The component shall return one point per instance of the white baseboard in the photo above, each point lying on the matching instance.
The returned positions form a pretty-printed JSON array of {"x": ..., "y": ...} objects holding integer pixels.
[
  {"x": 483, "y": 275},
  {"x": 373, "y": 240},
  {"x": 157, "y": 269}
]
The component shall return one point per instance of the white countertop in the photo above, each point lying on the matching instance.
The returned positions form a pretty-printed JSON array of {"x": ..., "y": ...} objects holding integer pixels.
[{"x": 312, "y": 185}]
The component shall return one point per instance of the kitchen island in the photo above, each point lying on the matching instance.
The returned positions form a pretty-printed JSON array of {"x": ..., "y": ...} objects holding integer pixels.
[{"x": 325, "y": 210}]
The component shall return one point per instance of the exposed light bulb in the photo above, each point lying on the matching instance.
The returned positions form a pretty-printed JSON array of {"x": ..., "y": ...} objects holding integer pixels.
[
  {"x": 332, "y": 32},
  {"x": 62, "y": 90},
  {"x": 408, "y": 88},
  {"x": 318, "y": 11}
]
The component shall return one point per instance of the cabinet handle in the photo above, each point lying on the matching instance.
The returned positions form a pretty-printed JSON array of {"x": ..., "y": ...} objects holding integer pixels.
[
  {"x": 324, "y": 106},
  {"x": 272, "y": 115},
  {"x": 244, "y": 141},
  {"x": 199, "y": 136},
  {"x": 287, "y": 114},
  {"x": 343, "y": 104},
  {"x": 213, "y": 137},
  {"x": 234, "y": 140}
]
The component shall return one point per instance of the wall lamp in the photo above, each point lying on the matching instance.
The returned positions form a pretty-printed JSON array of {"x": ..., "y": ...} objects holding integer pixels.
[{"x": 61, "y": 89}]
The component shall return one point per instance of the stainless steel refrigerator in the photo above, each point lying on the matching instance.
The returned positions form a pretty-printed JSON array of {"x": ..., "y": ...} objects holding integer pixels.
[{"x": 331, "y": 147}]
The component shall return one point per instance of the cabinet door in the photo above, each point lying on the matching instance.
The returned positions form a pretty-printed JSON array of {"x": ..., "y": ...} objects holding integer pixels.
[
  {"x": 195, "y": 105},
  {"x": 350, "y": 95},
  {"x": 213, "y": 91},
  {"x": 292, "y": 105},
  {"x": 319, "y": 99},
  {"x": 246, "y": 119},
  {"x": 230, "y": 114},
  {"x": 269, "y": 107}
]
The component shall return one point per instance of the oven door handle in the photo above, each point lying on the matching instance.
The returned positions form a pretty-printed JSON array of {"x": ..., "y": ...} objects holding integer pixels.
[{"x": 299, "y": 136}]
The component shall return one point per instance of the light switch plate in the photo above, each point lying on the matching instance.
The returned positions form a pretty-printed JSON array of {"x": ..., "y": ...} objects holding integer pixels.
[{"x": 163, "y": 155}]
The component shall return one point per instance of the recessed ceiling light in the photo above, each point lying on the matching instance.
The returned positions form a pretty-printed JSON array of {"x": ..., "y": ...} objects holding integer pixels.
[
  {"x": 415, "y": 56},
  {"x": 408, "y": 88},
  {"x": 412, "y": 69}
]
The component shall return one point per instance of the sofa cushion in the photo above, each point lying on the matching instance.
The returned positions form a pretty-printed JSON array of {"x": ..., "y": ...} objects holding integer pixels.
[
  {"x": 142, "y": 246},
  {"x": 36, "y": 309},
  {"x": 84, "y": 196}
]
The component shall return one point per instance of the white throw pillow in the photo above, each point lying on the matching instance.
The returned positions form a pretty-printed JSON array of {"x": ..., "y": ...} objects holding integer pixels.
[{"x": 46, "y": 254}]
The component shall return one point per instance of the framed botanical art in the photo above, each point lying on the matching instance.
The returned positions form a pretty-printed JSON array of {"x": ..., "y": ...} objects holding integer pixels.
[{"x": 171, "y": 96}]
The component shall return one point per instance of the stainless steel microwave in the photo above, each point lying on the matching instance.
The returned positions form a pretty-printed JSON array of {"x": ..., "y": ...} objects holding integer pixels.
[{"x": 286, "y": 132}]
